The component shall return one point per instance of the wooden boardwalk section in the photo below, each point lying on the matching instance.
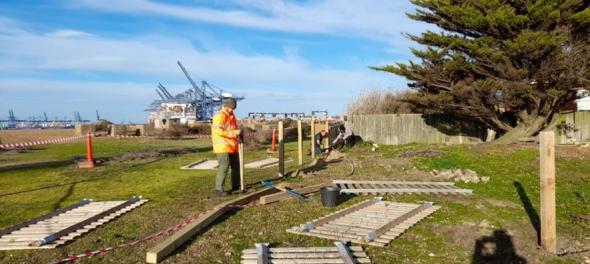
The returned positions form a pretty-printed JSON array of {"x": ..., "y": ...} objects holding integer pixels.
[
  {"x": 397, "y": 187},
  {"x": 61, "y": 226},
  {"x": 340, "y": 253},
  {"x": 373, "y": 222}
]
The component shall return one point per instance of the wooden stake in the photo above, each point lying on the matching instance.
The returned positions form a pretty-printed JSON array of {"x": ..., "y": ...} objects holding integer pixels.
[
  {"x": 281, "y": 149},
  {"x": 241, "y": 154},
  {"x": 327, "y": 144},
  {"x": 547, "y": 159},
  {"x": 300, "y": 141},
  {"x": 313, "y": 137}
]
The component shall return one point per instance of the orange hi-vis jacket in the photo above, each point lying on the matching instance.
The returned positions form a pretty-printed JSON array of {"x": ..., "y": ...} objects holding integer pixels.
[{"x": 224, "y": 132}]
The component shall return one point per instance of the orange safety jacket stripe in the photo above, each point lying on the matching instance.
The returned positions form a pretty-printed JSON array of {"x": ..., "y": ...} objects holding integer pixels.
[{"x": 224, "y": 134}]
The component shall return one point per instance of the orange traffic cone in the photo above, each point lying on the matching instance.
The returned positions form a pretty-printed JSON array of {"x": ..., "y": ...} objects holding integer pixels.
[{"x": 89, "y": 163}]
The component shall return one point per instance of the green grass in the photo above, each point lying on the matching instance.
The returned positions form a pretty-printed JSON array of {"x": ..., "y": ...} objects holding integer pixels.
[{"x": 448, "y": 236}]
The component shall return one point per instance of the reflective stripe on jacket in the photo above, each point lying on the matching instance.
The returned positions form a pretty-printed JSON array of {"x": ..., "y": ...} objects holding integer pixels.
[{"x": 224, "y": 132}]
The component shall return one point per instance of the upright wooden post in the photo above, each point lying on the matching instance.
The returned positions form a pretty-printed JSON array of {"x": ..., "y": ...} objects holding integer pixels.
[
  {"x": 300, "y": 141},
  {"x": 281, "y": 149},
  {"x": 327, "y": 144},
  {"x": 312, "y": 137},
  {"x": 241, "y": 154},
  {"x": 547, "y": 159}
]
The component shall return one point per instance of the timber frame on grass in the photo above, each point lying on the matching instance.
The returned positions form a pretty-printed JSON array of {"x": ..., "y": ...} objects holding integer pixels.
[{"x": 168, "y": 246}]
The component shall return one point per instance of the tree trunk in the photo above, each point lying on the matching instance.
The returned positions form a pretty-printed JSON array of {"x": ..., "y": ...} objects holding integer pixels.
[{"x": 524, "y": 130}]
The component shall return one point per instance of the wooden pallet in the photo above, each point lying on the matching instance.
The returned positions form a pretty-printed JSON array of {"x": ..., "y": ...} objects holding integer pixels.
[
  {"x": 204, "y": 164},
  {"x": 372, "y": 222},
  {"x": 341, "y": 253},
  {"x": 400, "y": 187},
  {"x": 57, "y": 228}
]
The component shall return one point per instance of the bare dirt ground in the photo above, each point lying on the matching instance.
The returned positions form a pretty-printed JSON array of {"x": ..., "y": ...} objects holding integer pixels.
[{"x": 15, "y": 136}]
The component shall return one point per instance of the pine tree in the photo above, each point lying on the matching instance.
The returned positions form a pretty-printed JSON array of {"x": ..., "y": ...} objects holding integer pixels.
[{"x": 509, "y": 64}]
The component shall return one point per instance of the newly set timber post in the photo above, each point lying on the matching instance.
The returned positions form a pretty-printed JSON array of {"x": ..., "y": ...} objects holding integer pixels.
[
  {"x": 312, "y": 137},
  {"x": 300, "y": 142},
  {"x": 547, "y": 171},
  {"x": 327, "y": 144},
  {"x": 281, "y": 149},
  {"x": 241, "y": 157}
]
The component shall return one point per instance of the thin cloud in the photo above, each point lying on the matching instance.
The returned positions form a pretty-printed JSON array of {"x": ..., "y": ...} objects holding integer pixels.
[
  {"x": 68, "y": 49},
  {"x": 381, "y": 20}
]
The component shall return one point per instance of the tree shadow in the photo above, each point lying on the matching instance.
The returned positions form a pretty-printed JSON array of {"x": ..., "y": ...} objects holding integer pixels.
[
  {"x": 67, "y": 195},
  {"x": 529, "y": 209},
  {"x": 453, "y": 126},
  {"x": 497, "y": 248}
]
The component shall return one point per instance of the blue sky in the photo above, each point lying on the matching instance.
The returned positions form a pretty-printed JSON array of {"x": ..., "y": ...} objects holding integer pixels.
[{"x": 108, "y": 55}]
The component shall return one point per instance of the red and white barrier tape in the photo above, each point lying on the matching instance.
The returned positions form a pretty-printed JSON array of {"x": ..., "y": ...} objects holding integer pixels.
[
  {"x": 168, "y": 231},
  {"x": 125, "y": 136},
  {"x": 39, "y": 142}
]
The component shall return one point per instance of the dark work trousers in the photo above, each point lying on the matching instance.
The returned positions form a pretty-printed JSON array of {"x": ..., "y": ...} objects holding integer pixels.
[{"x": 227, "y": 160}]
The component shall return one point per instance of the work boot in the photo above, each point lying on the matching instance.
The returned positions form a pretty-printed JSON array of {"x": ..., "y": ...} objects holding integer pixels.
[{"x": 221, "y": 193}]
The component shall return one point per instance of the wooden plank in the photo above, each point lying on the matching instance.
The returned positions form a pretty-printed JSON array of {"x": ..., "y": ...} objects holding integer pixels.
[
  {"x": 262, "y": 254},
  {"x": 43, "y": 217},
  {"x": 344, "y": 253},
  {"x": 284, "y": 196},
  {"x": 547, "y": 172},
  {"x": 166, "y": 247}
]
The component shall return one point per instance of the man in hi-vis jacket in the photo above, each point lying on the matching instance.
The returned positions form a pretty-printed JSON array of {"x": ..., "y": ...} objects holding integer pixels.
[{"x": 224, "y": 134}]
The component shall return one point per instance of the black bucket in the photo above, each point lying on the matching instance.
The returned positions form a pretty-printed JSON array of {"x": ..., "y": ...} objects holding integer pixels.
[{"x": 330, "y": 196}]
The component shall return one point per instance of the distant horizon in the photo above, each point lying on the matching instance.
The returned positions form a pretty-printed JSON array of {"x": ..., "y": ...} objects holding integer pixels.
[{"x": 64, "y": 56}]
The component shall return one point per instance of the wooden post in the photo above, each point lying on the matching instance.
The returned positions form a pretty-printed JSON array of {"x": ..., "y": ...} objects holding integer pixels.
[
  {"x": 281, "y": 149},
  {"x": 241, "y": 154},
  {"x": 300, "y": 141},
  {"x": 313, "y": 137},
  {"x": 327, "y": 144},
  {"x": 547, "y": 159}
]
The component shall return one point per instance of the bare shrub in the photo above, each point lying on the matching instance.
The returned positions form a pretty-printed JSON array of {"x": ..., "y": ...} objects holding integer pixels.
[
  {"x": 174, "y": 131},
  {"x": 377, "y": 101},
  {"x": 200, "y": 129}
]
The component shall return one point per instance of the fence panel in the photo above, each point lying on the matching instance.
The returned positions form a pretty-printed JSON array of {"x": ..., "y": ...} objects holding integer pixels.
[{"x": 399, "y": 129}]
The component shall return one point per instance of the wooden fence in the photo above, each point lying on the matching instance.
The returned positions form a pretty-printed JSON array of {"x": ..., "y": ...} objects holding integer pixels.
[
  {"x": 575, "y": 128},
  {"x": 396, "y": 129}
]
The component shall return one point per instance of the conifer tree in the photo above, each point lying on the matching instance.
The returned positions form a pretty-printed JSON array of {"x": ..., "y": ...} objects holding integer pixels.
[{"x": 509, "y": 64}]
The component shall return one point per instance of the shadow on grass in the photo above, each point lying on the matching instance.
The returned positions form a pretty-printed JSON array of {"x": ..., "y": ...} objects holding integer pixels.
[
  {"x": 497, "y": 248},
  {"x": 104, "y": 175},
  {"x": 530, "y": 210},
  {"x": 66, "y": 195}
]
